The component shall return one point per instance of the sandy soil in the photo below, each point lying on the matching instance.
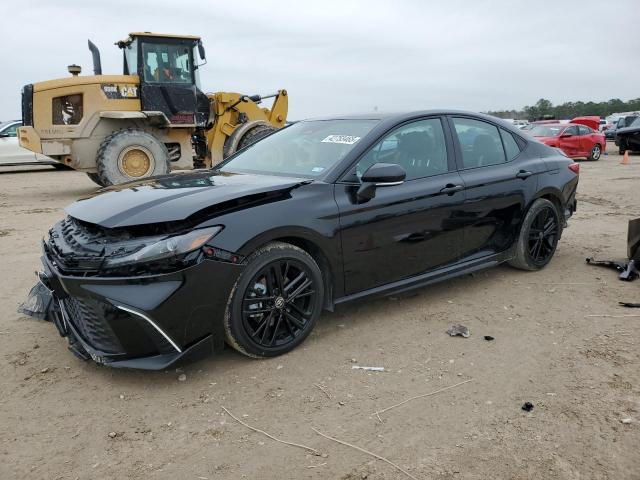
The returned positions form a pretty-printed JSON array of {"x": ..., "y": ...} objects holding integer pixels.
[{"x": 580, "y": 372}]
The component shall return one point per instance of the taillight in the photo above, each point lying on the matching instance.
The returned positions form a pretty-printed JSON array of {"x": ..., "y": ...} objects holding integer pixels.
[{"x": 575, "y": 168}]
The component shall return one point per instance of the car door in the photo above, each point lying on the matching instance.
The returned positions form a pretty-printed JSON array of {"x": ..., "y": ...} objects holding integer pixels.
[
  {"x": 10, "y": 150},
  {"x": 405, "y": 229},
  {"x": 587, "y": 140},
  {"x": 499, "y": 181},
  {"x": 569, "y": 141}
]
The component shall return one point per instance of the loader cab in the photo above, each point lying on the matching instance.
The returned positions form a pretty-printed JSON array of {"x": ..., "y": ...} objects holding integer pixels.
[{"x": 167, "y": 67}]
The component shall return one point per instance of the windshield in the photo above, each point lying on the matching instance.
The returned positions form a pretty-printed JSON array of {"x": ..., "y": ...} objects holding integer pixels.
[
  {"x": 166, "y": 63},
  {"x": 546, "y": 130},
  {"x": 304, "y": 149}
]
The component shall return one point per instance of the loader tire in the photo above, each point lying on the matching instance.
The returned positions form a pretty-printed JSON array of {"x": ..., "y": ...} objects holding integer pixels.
[
  {"x": 255, "y": 134},
  {"x": 130, "y": 154},
  {"x": 94, "y": 178}
]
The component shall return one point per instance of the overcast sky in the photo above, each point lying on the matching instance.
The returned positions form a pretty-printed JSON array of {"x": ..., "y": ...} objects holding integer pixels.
[{"x": 351, "y": 56}]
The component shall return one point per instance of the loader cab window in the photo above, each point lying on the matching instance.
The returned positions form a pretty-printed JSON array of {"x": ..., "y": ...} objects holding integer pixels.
[
  {"x": 131, "y": 58},
  {"x": 167, "y": 63}
]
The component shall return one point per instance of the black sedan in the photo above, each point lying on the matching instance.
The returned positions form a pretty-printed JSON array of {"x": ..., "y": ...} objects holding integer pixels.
[{"x": 320, "y": 213}]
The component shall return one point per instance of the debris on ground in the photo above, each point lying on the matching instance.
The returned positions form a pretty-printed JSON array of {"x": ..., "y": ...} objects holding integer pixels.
[
  {"x": 182, "y": 377},
  {"x": 628, "y": 270},
  {"x": 527, "y": 407},
  {"x": 629, "y": 305},
  {"x": 626, "y": 421},
  {"x": 460, "y": 330},
  {"x": 112, "y": 434},
  {"x": 370, "y": 369},
  {"x": 488, "y": 338}
]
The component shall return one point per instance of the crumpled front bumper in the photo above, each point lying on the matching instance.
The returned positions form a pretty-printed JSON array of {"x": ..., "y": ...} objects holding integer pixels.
[{"x": 146, "y": 322}]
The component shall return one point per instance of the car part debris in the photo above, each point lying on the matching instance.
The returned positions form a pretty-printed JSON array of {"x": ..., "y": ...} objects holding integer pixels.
[
  {"x": 489, "y": 338},
  {"x": 628, "y": 269},
  {"x": 527, "y": 407},
  {"x": 629, "y": 305},
  {"x": 370, "y": 369},
  {"x": 458, "y": 330},
  {"x": 39, "y": 303}
]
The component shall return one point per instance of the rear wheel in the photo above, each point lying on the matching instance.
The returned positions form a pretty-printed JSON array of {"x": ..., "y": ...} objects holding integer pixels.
[
  {"x": 622, "y": 147},
  {"x": 539, "y": 235},
  {"x": 596, "y": 152},
  {"x": 275, "y": 303},
  {"x": 129, "y": 155}
]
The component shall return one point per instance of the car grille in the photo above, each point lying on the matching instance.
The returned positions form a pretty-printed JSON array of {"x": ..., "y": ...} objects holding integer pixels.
[
  {"x": 27, "y": 105},
  {"x": 88, "y": 316},
  {"x": 93, "y": 320}
]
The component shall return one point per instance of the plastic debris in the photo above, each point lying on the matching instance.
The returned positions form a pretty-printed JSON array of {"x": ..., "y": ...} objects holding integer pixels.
[
  {"x": 488, "y": 338},
  {"x": 458, "y": 330},
  {"x": 182, "y": 377},
  {"x": 38, "y": 303},
  {"x": 370, "y": 369},
  {"x": 626, "y": 421},
  {"x": 527, "y": 407}
]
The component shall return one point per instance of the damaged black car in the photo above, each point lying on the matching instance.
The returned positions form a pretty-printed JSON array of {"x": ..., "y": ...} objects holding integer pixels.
[{"x": 150, "y": 273}]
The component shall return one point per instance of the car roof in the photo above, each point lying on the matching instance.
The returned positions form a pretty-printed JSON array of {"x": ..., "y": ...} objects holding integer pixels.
[{"x": 399, "y": 116}]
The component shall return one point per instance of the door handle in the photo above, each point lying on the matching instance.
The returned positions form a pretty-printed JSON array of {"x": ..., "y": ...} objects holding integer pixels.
[
  {"x": 450, "y": 188},
  {"x": 523, "y": 174}
]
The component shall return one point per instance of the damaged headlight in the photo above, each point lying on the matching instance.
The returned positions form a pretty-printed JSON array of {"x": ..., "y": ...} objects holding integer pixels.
[{"x": 169, "y": 247}]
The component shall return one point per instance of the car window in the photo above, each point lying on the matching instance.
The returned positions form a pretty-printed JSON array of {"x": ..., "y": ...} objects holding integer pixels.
[
  {"x": 480, "y": 143},
  {"x": 11, "y": 130},
  {"x": 584, "y": 130},
  {"x": 573, "y": 130},
  {"x": 166, "y": 63},
  {"x": 511, "y": 147},
  {"x": 418, "y": 147}
]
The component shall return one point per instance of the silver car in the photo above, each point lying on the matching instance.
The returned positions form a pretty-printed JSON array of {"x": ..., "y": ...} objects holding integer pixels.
[{"x": 11, "y": 153}]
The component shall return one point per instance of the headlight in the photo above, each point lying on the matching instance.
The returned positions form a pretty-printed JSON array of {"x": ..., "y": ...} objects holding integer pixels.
[{"x": 169, "y": 247}]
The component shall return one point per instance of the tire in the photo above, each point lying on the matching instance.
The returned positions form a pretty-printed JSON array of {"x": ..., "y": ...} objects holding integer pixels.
[
  {"x": 131, "y": 154},
  {"x": 526, "y": 246},
  {"x": 596, "y": 152},
  {"x": 254, "y": 135},
  {"x": 622, "y": 147},
  {"x": 95, "y": 179},
  {"x": 271, "y": 331}
]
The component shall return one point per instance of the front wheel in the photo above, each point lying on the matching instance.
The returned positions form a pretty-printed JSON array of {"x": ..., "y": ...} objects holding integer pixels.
[
  {"x": 131, "y": 154},
  {"x": 275, "y": 303},
  {"x": 539, "y": 235},
  {"x": 596, "y": 152}
]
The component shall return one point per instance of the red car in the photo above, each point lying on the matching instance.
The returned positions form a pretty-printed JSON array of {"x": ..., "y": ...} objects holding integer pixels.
[{"x": 576, "y": 141}]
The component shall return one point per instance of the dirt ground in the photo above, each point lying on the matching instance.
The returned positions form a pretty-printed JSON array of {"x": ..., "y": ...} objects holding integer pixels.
[{"x": 62, "y": 418}]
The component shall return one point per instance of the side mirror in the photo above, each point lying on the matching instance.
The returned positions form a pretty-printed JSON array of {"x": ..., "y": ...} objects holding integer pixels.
[
  {"x": 379, "y": 175},
  {"x": 201, "y": 51}
]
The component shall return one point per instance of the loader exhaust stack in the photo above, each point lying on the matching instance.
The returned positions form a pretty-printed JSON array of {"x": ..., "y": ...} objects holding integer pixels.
[{"x": 95, "y": 53}]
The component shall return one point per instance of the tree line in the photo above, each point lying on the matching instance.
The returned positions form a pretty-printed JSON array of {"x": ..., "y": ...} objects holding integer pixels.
[{"x": 543, "y": 108}]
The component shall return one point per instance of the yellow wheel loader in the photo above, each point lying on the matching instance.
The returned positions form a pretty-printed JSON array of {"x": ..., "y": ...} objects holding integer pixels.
[{"x": 148, "y": 121}]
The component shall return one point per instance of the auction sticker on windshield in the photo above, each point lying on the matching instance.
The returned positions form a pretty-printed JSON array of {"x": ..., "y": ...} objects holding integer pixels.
[{"x": 345, "y": 139}]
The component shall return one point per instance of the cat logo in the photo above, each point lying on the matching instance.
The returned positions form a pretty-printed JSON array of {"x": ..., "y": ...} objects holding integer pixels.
[{"x": 128, "y": 91}]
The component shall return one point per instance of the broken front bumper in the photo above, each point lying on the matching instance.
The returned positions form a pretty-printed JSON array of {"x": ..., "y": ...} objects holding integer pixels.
[{"x": 147, "y": 322}]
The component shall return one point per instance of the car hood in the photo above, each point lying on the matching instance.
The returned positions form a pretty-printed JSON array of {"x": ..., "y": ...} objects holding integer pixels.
[{"x": 177, "y": 197}]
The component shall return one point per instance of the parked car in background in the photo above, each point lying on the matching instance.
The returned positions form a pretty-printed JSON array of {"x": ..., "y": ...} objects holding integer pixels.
[
  {"x": 623, "y": 122},
  {"x": 317, "y": 214},
  {"x": 12, "y": 154},
  {"x": 576, "y": 141},
  {"x": 628, "y": 138}
]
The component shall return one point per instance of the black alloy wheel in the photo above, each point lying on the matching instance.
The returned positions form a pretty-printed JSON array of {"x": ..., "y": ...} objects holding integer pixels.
[
  {"x": 539, "y": 235},
  {"x": 276, "y": 302},
  {"x": 543, "y": 235}
]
